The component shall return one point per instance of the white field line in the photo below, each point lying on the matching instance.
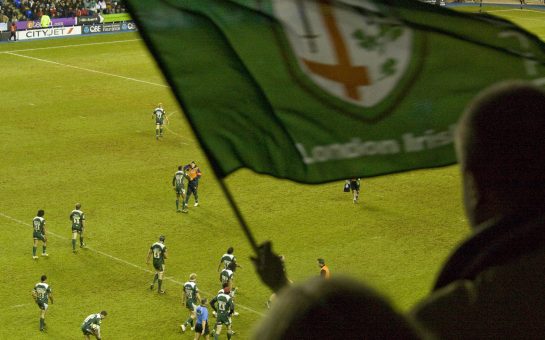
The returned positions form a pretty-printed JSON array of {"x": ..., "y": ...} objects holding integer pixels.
[
  {"x": 174, "y": 133},
  {"x": 117, "y": 259},
  {"x": 87, "y": 69},
  {"x": 102, "y": 73},
  {"x": 74, "y": 45},
  {"x": 516, "y": 10},
  {"x": 21, "y": 305}
]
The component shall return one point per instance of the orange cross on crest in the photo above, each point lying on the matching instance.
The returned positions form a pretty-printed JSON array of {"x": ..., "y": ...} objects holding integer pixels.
[{"x": 344, "y": 72}]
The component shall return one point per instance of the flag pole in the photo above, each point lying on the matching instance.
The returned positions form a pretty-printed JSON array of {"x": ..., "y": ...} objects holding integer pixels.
[{"x": 238, "y": 214}]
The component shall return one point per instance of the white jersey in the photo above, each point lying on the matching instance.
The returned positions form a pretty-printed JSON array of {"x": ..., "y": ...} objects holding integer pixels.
[
  {"x": 226, "y": 259},
  {"x": 159, "y": 112},
  {"x": 226, "y": 275}
]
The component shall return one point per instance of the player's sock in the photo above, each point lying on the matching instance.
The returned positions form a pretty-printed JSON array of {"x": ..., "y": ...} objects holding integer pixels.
[
  {"x": 42, "y": 323},
  {"x": 189, "y": 322},
  {"x": 160, "y": 131},
  {"x": 216, "y": 336},
  {"x": 229, "y": 334},
  {"x": 177, "y": 204},
  {"x": 155, "y": 278},
  {"x": 33, "y": 251},
  {"x": 43, "y": 250},
  {"x": 81, "y": 241},
  {"x": 73, "y": 244},
  {"x": 159, "y": 285}
]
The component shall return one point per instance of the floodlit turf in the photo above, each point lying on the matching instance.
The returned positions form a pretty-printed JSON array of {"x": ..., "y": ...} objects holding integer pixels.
[
  {"x": 531, "y": 18},
  {"x": 77, "y": 127}
]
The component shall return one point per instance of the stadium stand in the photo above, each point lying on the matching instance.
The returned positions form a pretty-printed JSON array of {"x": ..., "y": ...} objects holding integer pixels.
[{"x": 17, "y": 10}]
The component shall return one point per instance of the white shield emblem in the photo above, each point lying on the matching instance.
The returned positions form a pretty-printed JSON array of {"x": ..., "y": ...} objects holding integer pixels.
[{"x": 348, "y": 51}]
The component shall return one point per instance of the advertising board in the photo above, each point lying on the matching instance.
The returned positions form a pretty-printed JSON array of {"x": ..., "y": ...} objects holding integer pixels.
[
  {"x": 48, "y": 33},
  {"x": 56, "y": 22}
]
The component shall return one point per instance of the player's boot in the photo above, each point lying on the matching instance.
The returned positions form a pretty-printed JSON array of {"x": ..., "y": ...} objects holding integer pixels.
[
  {"x": 196, "y": 204},
  {"x": 45, "y": 254},
  {"x": 183, "y": 327}
]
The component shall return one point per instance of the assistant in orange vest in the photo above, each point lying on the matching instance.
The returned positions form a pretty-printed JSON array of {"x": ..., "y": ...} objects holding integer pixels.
[{"x": 324, "y": 270}]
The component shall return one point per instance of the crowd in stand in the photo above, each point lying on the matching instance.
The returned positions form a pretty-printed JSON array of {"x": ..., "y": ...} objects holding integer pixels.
[{"x": 17, "y": 10}]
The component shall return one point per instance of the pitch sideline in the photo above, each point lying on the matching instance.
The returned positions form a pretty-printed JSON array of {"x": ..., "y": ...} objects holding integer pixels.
[
  {"x": 73, "y": 45},
  {"x": 87, "y": 69}
]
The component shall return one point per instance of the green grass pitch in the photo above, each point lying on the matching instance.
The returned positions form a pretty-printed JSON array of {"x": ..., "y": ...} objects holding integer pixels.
[{"x": 77, "y": 127}]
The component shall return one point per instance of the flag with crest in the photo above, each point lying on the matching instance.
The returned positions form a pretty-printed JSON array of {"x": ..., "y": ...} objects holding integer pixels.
[{"x": 321, "y": 90}]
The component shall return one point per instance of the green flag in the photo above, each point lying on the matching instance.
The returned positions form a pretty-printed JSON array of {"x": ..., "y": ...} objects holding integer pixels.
[{"x": 321, "y": 90}]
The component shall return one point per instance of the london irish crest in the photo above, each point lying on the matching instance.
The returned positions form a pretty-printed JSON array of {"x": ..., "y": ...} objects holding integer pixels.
[{"x": 360, "y": 61}]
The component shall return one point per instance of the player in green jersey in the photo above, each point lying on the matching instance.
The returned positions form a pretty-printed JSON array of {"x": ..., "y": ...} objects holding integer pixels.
[
  {"x": 38, "y": 225},
  {"x": 227, "y": 258},
  {"x": 355, "y": 188},
  {"x": 223, "y": 307},
  {"x": 159, "y": 252},
  {"x": 91, "y": 325},
  {"x": 160, "y": 117},
  {"x": 42, "y": 295},
  {"x": 178, "y": 184},
  {"x": 227, "y": 276},
  {"x": 190, "y": 298},
  {"x": 77, "y": 217}
]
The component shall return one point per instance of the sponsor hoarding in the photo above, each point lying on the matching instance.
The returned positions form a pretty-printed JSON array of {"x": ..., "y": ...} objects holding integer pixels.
[
  {"x": 3, "y": 26},
  {"x": 56, "y": 22},
  {"x": 128, "y": 26},
  {"x": 118, "y": 17},
  {"x": 109, "y": 27},
  {"x": 97, "y": 19},
  {"x": 89, "y": 29},
  {"x": 48, "y": 33}
]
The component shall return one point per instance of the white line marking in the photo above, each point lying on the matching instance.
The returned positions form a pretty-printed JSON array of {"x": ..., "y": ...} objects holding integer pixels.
[
  {"x": 87, "y": 69},
  {"x": 106, "y": 74},
  {"x": 176, "y": 134},
  {"x": 120, "y": 261},
  {"x": 75, "y": 45},
  {"x": 166, "y": 127},
  {"x": 21, "y": 305},
  {"x": 516, "y": 10}
]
